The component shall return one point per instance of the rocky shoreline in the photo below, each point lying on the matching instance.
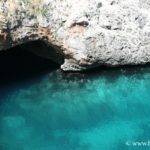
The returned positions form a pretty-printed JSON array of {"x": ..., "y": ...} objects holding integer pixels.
[{"x": 83, "y": 34}]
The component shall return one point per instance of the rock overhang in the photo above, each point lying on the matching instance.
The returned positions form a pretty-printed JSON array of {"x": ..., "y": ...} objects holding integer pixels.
[{"x": 87, "y": 34}]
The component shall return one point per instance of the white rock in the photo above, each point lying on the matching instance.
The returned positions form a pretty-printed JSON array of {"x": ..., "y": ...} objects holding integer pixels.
[{"x": 86, "y": 33}]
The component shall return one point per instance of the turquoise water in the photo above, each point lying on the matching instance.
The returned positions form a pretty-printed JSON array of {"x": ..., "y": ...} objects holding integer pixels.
[{"x": 57, "y": 111}]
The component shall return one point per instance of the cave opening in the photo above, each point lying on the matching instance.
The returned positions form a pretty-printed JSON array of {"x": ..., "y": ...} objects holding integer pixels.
[{"x": 19, "y": 63}]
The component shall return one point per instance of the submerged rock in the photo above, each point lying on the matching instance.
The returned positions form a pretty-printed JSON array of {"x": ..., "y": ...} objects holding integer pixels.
[{"x": 85, "y": 34}]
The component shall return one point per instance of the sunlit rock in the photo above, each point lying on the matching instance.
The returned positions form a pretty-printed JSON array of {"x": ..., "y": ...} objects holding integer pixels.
[{"x": 85, "y": 33}]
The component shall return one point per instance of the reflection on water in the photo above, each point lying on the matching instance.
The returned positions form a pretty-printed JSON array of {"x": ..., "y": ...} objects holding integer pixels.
[{"x": 58, "y": 111}]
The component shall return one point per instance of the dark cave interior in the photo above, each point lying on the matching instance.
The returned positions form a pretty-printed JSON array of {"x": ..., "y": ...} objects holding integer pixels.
[{"x": 20, "y": 64}]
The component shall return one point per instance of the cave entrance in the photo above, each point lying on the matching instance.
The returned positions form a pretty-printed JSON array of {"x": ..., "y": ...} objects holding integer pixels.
[{"x": 19, "y": 63}]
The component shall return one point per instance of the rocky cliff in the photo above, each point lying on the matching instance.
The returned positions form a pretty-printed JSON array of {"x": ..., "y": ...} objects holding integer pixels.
[{"x": 84, "y": 34}]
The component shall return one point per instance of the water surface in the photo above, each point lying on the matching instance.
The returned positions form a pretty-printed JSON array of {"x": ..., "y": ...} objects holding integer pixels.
[{"x": 57, "y": 111}]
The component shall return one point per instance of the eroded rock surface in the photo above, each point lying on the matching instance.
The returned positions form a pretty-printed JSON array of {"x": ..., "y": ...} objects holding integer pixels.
[{"x": 85, "y": 33}]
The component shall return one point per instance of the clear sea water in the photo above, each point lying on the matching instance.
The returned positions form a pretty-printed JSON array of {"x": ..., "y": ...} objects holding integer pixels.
[{"x": 94, "y": 111}]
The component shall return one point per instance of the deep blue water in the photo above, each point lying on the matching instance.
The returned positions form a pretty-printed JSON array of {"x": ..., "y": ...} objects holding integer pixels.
[{"x": 94, "y": 111}]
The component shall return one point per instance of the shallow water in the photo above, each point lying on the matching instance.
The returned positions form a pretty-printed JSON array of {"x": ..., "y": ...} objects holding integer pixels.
[{"x": 56, "y": 111}]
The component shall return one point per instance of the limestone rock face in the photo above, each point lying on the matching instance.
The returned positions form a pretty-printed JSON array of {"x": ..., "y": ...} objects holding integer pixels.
[{"x": 85, "y": 33}]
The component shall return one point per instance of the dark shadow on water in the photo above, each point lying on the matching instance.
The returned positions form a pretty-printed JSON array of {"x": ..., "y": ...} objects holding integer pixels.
[
  {"x": 18, "y": 64},
  {"x": 109, "y": 73}
]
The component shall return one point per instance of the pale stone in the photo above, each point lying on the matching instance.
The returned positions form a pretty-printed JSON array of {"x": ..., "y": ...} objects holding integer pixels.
[{"x": 85, "y": 33}]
